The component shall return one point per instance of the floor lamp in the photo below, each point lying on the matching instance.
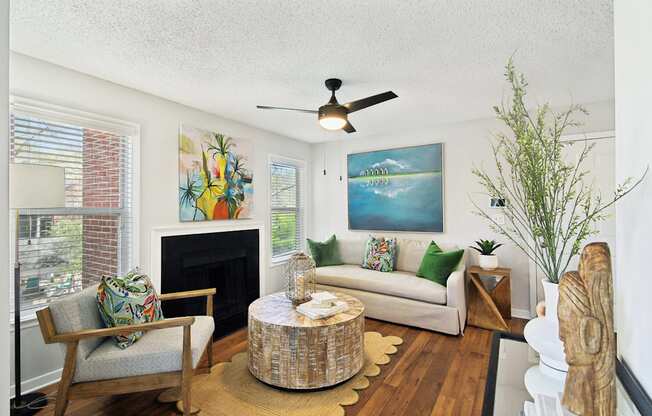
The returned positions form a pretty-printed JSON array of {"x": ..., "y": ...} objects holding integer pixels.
[{"x": 30, "y": 186}]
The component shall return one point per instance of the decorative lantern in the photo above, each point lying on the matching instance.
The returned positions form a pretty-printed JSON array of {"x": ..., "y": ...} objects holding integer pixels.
[{"x": 301, "y": 278}]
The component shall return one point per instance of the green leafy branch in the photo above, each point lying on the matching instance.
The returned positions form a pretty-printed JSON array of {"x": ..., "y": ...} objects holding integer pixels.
[{"x": 550, "y": 209}]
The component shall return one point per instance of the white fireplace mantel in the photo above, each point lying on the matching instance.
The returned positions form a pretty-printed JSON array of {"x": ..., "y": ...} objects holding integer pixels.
[{"x": 158, "y": 233}]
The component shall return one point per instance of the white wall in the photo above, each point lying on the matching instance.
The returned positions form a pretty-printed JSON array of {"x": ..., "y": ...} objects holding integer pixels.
[
  {"x": 465, "y": 145},
  {"x": 633, "y": 95},
  {"x": 159, "y": 121},
  {"x": 4, "y": 206}
]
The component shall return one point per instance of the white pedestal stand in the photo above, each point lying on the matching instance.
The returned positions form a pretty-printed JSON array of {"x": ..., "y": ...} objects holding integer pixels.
[{"x": 545, "y": 381}]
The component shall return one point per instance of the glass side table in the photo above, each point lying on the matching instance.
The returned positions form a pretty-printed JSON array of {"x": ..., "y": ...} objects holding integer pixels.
[{"x": 505, "y": 392}]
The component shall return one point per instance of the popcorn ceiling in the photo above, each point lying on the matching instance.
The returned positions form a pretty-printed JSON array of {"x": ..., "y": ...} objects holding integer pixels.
[{"x": 443, "y": 58}]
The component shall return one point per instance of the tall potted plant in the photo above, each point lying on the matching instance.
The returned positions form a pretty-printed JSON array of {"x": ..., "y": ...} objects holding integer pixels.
[{"x": 550, "y": 207}]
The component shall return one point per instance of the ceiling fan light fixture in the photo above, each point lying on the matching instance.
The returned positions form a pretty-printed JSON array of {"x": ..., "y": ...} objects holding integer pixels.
[
  {"x": 335, "y": 116},
  {"x": 332, "y": 117},
  {"x": 332, "y": 123}
]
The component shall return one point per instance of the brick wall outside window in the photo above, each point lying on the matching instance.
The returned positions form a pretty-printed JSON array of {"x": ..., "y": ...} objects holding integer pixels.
[{"x": 101, "y": 189}]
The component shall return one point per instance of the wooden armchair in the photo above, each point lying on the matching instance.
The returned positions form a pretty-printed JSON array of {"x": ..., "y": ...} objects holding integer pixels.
[{"x": 167, "y": 355}]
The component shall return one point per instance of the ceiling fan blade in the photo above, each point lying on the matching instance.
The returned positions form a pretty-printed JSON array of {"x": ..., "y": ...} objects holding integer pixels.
[
  {"x": 369, "y": 101},
  {"x": 266, "y": 107},
  {"x": 348, "y": 127}
]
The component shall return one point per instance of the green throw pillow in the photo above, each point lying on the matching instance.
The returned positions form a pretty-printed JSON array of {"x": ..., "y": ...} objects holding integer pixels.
[
  {"x": 126, "y": 300},
  {"x": 379, "y": 254},
  {"x": 437, "y": 265},
  {"x": 326, "y": 253},
  {"x": 435, "y": 248}
]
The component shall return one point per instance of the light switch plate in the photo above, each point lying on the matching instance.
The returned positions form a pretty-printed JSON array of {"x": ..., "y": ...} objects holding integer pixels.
[{"x": 499, "y": 218}]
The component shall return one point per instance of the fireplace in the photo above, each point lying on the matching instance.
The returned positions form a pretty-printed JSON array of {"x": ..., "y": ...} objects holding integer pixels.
[{"x": 227, "y": 261}]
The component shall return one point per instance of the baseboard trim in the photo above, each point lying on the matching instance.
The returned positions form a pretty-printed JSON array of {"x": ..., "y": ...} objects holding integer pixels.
[
  {"x": 521, "y": 313},
  {"x": 37, "y": 383}
]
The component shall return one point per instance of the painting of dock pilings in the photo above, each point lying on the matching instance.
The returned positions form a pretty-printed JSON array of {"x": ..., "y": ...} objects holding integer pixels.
[{"x": 396, "y": 189}]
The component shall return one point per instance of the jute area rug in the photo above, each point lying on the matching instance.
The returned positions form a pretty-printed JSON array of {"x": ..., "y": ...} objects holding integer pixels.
[{"x": 231, "y": 390}]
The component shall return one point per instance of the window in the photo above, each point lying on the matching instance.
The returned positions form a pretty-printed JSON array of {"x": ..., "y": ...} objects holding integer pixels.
[
  {"x": 63, "y": 250},
  {"x": 34, "y": 226},
  {"x": 287, "y": 211}
]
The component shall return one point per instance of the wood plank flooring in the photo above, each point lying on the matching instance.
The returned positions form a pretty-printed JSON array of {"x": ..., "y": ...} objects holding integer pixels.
[{"x": 432, "y": 374}]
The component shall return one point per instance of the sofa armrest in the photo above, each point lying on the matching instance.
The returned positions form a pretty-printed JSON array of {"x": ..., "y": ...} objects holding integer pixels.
[{"x": 456, "y": 295}]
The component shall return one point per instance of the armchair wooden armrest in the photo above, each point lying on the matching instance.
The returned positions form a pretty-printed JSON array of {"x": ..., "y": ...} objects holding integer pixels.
[
  {"x": 192, "y": 294},
  {"x": 187, "y": 294},
  {"x": 50, "y": 335},
  {"x": 123, "y": 330}
]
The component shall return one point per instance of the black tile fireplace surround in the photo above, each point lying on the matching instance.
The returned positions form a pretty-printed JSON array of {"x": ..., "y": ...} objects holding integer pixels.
[{"x": 227, "y": 261}]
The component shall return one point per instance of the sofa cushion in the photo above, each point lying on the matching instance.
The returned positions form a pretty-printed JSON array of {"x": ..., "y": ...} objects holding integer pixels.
[
  {"x": 325, "y": 253},
  {"x": 351, "y": 251},
  {"x": 411, "y": 252},
  {"x": 437, "y": 265},
  {"x": 401, "y": 284},
  {"x": 155, "y": 352},
  {"x": 379, "y": 254}
]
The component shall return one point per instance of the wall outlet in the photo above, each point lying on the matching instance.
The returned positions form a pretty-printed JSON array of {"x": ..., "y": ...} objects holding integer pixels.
[{"x": 499, "y": 219}]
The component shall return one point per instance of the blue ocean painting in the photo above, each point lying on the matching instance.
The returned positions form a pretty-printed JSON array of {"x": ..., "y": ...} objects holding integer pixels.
[{"x": 396, "y": 189}]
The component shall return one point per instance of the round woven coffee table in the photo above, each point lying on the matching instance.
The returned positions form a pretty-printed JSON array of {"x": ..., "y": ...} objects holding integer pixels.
[{"x": 289, "y": 350}]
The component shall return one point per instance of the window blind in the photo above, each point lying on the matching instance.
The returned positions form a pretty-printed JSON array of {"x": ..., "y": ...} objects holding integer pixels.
[
  {"x": 63, "y": 250},
  {"x": 287, "y": 213}
]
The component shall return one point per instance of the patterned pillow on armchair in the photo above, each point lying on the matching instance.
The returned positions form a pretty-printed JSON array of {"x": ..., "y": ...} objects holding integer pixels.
[
  {"x": 380, "y": 254},
  {"x": 127, "y": 300}
]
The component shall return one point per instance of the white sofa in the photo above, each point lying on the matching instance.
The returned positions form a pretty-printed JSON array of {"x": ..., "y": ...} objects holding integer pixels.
[{"x": 400, "y": 296}]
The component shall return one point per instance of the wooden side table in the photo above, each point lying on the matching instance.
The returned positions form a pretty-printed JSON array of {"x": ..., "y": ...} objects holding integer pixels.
[{"x": 490, "y": 301}]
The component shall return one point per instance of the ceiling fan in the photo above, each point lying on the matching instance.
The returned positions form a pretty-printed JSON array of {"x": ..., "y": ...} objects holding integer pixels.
[{"x": 333, "y": 115}]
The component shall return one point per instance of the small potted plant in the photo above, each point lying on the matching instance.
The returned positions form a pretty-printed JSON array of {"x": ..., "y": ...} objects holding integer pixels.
[{"x": 488, "y": 260}]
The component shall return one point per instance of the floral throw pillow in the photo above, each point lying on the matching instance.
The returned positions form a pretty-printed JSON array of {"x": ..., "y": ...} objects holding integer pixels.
[
  {"x": 126, "y": 300},
  {"x": 379, "y": 254}
]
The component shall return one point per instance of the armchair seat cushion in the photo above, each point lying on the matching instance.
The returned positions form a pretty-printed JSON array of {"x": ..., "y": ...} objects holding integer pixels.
[{"x": 158, "y": 351}]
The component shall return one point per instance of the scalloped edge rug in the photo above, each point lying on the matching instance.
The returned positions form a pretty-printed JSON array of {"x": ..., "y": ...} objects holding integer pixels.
[{"x": 231, "y": 390}]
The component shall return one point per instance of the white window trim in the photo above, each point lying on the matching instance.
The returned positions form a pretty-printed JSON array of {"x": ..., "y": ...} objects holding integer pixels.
[
  {"x": 302, "y": 165},
  {"x": 90, "y": 120}
]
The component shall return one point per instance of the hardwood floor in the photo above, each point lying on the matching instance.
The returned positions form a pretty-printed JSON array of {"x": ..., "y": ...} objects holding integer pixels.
[{"x": 432, "y": 374}]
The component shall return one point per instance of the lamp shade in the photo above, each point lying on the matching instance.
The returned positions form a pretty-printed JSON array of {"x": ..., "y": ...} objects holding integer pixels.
[{"x": 36, "y": 186}]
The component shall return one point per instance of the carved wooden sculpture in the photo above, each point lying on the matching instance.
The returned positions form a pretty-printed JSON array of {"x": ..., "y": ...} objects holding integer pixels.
[{"x": 585, "y": 313}]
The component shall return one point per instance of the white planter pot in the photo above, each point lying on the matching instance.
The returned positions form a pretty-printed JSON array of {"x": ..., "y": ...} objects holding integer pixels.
[
  {"x": 489, "y": 262},
  {"x": 551, "y": 293},
  {"x": 543, "y": 333}
]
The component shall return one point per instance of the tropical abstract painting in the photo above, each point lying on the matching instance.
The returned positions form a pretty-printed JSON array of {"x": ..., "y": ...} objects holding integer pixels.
[
  {"x": 396, "y": 189},
  {"x": 215, "y": 180}
]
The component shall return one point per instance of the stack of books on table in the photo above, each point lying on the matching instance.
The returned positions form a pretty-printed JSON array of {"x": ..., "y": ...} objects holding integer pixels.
[{"x": 323, "y": 305}]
